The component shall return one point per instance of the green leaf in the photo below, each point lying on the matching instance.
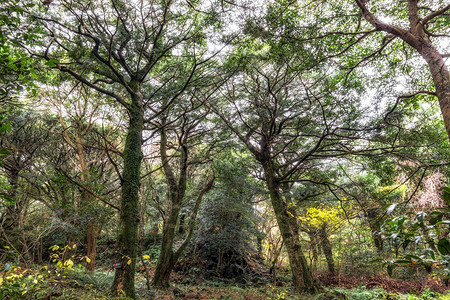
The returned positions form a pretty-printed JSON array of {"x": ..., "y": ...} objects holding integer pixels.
[
  {"x": 430, "y": 253},
  {"x": 446, "y": 195},
  {"x": 403, "y": 261},
  {"x": 390, "y": 268},
  {"x": 444, "y": 246},
  {"x": 436, "y": 217},
  {"x": 51, "y": 63},
  {"x": 420, "y": 216}
]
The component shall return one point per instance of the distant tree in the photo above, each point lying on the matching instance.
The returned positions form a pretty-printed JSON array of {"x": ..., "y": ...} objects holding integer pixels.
[
  {"x": 78, "y": 110},
  {"x": 227, "y": 236},
  {"x": 289, "y": 125},
  {"x": 183, "y": 146},
  {"x": 25, "y": 143}
]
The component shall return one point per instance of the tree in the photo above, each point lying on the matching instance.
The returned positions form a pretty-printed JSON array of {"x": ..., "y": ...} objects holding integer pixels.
[
  {"x": 286, "y": 125},
  {"x": 419, "y": 33},
  {"x": 373, "y": 56},
  {"x": 227, "y": 234},
  {"x": 78, "y": 115},
  {"x": 182, "y": 137},
  {"x": 25, "y": 142},
  {"x": 119, "y": 49}
]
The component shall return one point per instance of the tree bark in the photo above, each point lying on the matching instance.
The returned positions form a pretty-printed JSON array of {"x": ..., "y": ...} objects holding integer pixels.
[
  {"x": 313, "y": 246},
  {"x": 91, "y": 241},
  {"x": 289, "y": 229},
  {"x": 441, "y": 79},
  {"x": 417, "y": 37},
  {"x": 127, "y": 242},
  {"x": 327, "y": 249},
  {"x": 177, "y": 190},
  {"x": 166, "y": 260},
  {"x": 86, "y": 201}
]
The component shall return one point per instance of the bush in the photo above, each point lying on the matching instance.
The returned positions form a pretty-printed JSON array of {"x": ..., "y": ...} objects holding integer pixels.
[
  {"x": 17, "y": 283},
  {"x": 360, "y": 293}
]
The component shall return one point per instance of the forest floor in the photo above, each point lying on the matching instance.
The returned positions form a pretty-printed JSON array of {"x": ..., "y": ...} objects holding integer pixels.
[{"x": 43, "y": 283}]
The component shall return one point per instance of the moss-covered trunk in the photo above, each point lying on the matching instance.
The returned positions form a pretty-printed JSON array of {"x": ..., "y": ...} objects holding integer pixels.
[
  {"x": 327, "y": 250},
  {"x": 289, "y": 229},
  {"x": 177, "y": 189},
  {"x": 127, "y": 242},
  {"x": 166, "y": 259}
]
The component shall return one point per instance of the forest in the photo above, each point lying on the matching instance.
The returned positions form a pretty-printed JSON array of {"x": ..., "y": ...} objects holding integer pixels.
[{"x": 224, "y": 149}]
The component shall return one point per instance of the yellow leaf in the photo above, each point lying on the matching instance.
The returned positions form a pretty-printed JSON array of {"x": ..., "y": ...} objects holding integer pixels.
[
  {"x": 88, "y": 260},
  {"x": 146, "y": 257},
  {"x": 129, "y": 262},
  {"x": 68, "y": 263}
]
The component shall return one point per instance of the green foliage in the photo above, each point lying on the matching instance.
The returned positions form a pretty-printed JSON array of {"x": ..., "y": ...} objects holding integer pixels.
[
  {"x": 17, "y": 283},
  {"x": 417, "y": 240},
  {"x": 227, "y": 221}
]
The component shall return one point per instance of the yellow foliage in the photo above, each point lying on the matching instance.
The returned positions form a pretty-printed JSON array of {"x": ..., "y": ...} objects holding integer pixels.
[
  {"x": 394, "y": 189},
  {"x": 318, "y": 216},
  {"x": 68, "y": 263}
]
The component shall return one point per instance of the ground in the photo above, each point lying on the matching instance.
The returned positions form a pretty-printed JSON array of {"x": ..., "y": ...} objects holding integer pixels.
[{"x": 41, "y": 282}]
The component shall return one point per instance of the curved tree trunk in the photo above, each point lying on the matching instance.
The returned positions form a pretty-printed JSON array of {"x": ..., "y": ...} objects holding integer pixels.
[
  {"x": 127, "y": 242},
  {"x": 418, "y": 38},
  {"x": 177, "y": 189},
  {"x": 289, "y": 229},
  {"x": 441, "y": 79}
]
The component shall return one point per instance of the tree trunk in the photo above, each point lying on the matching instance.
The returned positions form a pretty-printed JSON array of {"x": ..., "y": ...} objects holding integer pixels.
[
  {"x": 91, "y": 239},
  {"x": 374, "y": 224},
  {"x": 181, "y": 224},
  {"x": 127, "y": 242},
  {"x": 166, "y": 260},
  {"x": 441, "y": 79},
  {"x": 86, "y": 202},
  {"x": 327, "y": 250},
  {"x": 289, "y": 230},
  {"x": 417, "y": 38},
  {"x": 377, "y": 241},
  {"x": 313, "y": 247}
]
